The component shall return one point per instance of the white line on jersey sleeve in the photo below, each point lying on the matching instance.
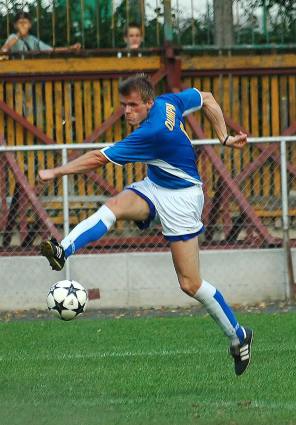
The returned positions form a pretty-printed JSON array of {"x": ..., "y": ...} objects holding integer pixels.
[{"x": 189, "y": 111}]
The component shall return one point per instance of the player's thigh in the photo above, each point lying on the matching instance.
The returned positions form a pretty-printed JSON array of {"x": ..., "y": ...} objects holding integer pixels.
[
  {"x": 185, "y": 256},
  {"x": 129, "y": 206}
]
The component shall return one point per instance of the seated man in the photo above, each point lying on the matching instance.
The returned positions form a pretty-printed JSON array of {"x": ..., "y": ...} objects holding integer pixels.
[
  {"x": 133, "y": 39},
  {"x": 23, "y": 41}
]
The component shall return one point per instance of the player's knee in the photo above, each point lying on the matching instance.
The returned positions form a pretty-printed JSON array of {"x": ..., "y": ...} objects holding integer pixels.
[
  {"x": 189, "y": 285},
  {"x": 114, "y": 205}
]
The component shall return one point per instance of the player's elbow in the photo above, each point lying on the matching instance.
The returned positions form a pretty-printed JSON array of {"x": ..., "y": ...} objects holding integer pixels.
[{"x": 97, "y": 159}]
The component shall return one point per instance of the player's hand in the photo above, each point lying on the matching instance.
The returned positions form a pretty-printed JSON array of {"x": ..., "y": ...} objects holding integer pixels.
[
  {"x": 237, "y": 141},
  {"x": 46, "y": 175},
  {"x": 76, "y": 46}
]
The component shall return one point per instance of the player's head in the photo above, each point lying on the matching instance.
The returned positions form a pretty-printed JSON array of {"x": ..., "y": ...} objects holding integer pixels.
[
  {"x": 133, "y": 36},
  {"x": 23, "y": 23},
  {"x": 137, "y": 98}
]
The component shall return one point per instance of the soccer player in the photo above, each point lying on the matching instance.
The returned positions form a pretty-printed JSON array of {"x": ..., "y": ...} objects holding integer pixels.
[{"x": 172, "y": 189}]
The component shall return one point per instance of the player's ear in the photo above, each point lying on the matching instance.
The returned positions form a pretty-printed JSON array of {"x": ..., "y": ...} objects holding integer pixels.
[{"x": 150, "y": 103}]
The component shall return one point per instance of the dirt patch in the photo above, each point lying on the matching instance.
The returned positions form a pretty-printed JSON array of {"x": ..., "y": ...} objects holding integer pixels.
[{"x": 277, "y": 307}]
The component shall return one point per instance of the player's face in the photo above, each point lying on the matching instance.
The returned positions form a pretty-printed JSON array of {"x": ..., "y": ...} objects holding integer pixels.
[
  {"x": 133, "y": 38},
  {"x": 23, "y": 26},
  {"x": 135, "y": 110}
]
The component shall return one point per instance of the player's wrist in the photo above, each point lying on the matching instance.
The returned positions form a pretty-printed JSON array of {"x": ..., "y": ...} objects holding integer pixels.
[{"x": 224, "y": 142}]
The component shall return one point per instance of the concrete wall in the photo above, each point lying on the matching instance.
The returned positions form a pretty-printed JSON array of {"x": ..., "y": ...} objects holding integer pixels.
[{"x": 145, "y": 279}]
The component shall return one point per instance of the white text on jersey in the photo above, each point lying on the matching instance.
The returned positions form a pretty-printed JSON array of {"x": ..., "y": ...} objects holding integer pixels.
[{"x": 170, "y": 116}]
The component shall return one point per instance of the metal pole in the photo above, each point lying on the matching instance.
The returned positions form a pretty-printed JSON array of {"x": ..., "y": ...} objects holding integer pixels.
[
  {"x": 66, "y": 209},
  {"x": 289, "y": 275}
]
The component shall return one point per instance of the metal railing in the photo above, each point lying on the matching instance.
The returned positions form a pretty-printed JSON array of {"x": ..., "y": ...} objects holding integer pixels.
[{"x": 248, "y": 222}]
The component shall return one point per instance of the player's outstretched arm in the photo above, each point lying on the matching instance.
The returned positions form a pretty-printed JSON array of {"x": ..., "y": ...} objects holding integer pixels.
[
  {"x": 214, "y": 114},
  {"x": 87, "y": 162}
]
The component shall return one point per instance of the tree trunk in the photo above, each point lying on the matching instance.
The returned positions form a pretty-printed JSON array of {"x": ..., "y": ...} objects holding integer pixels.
[{"x": 223, "y": 23}]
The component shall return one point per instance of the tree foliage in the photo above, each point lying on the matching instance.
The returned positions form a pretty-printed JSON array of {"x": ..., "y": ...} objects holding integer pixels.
[{"x": 97, "y": 25}]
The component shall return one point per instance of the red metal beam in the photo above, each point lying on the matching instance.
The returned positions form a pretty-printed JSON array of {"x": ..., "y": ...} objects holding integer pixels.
[{"x": 28, "y": 190}]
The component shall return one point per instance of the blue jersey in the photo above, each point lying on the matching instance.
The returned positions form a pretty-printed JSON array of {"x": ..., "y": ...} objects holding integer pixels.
[{"x": 162, "y": 142}]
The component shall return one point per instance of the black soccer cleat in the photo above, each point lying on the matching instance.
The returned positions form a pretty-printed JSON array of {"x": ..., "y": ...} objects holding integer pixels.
[
  {"x": 54, "y": 252},
  {"x": 242, "y": 353}
]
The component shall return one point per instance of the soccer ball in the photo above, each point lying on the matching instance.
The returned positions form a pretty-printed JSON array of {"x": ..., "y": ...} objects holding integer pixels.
[{"x": 67, "y": 299}]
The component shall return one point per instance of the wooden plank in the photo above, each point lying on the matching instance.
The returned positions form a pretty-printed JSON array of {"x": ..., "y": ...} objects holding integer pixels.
[
  {"x": 68, "y": 112},
  {"x": 235, "y": 114},
  {"x": 117, "y": 137},
  {"x": 30, "y": 138},
  {"x": 275, "y": 111},
  {"x": 10, "y": 132},
  {"x": 9, "y": 93},
  {"x": 238, "y": 61},
  {"x": 108, "y": 134},
  {"x": 97, "y": 103},
  {"x": 246, "y": 124},
  {"x": 49, "y": 127},
  {"x": 87, "y": 105},
  {"x": 39, "y": 118},
  {"x": 3, "y": 167},
  {"x": 254, "y": 107},
  {"x": 88, "y": 126},
  {"x": 79, "y": 65},
  {"x": 58, "y": 116},
  {"x": 266, "y": 131},
  {"x": 58, "y": 101},
  {"x": 78, "y": 97},
  {"x": 78, "y": 111},
  {"x": 275, "y": 103},
  {"x": 97, "y": 114},
  {"x": 292, "y": 98},
  {"x": 255, "y": 178},
  {"x": 19, "y": 99}
]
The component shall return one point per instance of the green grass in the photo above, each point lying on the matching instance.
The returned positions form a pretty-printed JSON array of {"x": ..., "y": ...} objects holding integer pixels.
[{"x": 144, "y": 371}]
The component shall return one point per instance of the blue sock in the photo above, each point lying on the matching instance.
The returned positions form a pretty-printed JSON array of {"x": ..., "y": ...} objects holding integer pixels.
[
  {"x": 89, "y": 230},
  {"x": 216, "y": 306}
]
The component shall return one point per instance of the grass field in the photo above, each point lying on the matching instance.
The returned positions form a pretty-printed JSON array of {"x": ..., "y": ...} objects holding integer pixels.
[{"x": 161, "y": 370}]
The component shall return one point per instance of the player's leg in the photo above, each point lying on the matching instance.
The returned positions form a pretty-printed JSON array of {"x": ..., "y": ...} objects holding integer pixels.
[
  {"x": 185, "y": 256},
  {"x": 126, "y": 205}
]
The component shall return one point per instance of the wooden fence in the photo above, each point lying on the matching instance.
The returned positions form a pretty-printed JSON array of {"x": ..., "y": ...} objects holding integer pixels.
[{"x": 68, "y": 99}]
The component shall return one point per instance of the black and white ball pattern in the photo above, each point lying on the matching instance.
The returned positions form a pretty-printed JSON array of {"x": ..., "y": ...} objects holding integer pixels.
[{"x": 67, "y": 299}]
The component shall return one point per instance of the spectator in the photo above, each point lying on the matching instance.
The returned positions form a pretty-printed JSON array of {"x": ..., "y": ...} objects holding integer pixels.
[
  {"x": 133, "y": 39},
  {"x": 23, "y": 41}
]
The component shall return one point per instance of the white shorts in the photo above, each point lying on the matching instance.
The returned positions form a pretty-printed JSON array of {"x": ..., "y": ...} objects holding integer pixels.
[{"x": 179, "y": 210}]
